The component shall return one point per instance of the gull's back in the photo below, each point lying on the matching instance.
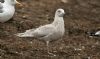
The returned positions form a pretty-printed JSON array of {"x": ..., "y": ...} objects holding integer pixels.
[{"x": 46, "y": 32}]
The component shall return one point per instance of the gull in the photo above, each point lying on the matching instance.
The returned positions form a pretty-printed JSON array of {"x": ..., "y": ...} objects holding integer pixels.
[
  {"x": 96, "y": 33},
  {"x": 7, "y": 10},
  {"x": 49, "y": 32}
]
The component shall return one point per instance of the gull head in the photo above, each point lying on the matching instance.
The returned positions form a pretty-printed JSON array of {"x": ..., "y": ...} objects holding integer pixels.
[
  {"x": 60, "y": 12},
  {"x": 12, "y": 2}
]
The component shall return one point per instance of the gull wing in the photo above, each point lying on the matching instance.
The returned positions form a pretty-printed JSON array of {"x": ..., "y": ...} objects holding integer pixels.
[
  {"x": 38, "y": 32},
  {"x": 27, "y": 33},
  {"x": 44, "y": 31}
]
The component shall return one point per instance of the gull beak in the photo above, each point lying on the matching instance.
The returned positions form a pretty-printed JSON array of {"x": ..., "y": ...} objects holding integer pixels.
[{"x": 18, "y": 3}]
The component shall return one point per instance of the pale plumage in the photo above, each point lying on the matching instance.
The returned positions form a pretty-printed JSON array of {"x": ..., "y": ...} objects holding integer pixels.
[
  {"x": 49, "y": 32},
  {"x": 97, "y": 33},
  {"x": 94, "y": 33},
  {"x": 7, "y": 10}
]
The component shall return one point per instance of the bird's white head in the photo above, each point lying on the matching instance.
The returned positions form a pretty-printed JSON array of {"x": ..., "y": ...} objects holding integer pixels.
[
  {"x": 12, "y": 2},
  {"x": 60, "y": 12}
]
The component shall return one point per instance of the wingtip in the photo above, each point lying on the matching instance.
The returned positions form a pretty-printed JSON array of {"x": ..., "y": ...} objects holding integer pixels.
[
  {"x": 18, "y": 34},
  {"x": 93, "y": 34}
]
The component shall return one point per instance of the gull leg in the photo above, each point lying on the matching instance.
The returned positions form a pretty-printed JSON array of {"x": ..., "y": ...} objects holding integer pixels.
[{"x": 47, "y": 44}]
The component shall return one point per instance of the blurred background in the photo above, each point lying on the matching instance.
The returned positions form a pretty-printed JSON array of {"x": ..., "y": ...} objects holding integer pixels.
[{"x": 82, "y": 16}]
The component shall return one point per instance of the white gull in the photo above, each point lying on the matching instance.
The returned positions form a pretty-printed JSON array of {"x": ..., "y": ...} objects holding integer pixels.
[
  {"x": 7, "y": 10},
  {"x": 49, "y": 32}
]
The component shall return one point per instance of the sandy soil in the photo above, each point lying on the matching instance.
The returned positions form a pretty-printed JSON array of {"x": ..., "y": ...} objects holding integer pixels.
[{"x": 82, "y": 16}]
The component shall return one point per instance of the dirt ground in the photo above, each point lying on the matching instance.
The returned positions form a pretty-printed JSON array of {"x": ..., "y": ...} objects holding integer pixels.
[{"x": 82, "y": 16}]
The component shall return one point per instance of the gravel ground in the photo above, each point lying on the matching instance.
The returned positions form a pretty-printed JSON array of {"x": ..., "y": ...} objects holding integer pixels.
[{"x": 82, "y": 16}]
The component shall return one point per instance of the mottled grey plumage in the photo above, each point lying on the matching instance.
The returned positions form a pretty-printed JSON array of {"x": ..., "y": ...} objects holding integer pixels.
[
  {"x": 49, "y": 32},
  {"x": 1, "y": 8}
]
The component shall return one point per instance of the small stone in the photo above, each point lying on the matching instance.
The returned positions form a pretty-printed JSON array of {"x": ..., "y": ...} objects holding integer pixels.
[
  {"x": 64, "y": 1},
  {"x": 24, "y": 17}
]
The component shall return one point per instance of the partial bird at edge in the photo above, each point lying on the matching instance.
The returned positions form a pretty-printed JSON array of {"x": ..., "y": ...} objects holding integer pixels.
[{"x": 7, "y": 10}]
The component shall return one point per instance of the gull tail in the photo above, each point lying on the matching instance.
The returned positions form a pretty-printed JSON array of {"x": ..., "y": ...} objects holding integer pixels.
[
  {"x": 20, "y": 35},
  {"x": 28, "y": 33}
]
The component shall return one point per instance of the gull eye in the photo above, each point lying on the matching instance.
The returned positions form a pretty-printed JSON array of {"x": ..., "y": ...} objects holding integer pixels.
[{"x": 59, "y": 11}]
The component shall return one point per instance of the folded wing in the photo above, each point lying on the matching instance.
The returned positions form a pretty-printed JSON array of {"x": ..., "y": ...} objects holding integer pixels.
[
  {"x": 44, "y": 31},
  {"x": 38, "y": 32}
]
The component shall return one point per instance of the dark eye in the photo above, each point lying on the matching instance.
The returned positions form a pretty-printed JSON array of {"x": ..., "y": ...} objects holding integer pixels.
[{"x": 59, "y": 11}]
